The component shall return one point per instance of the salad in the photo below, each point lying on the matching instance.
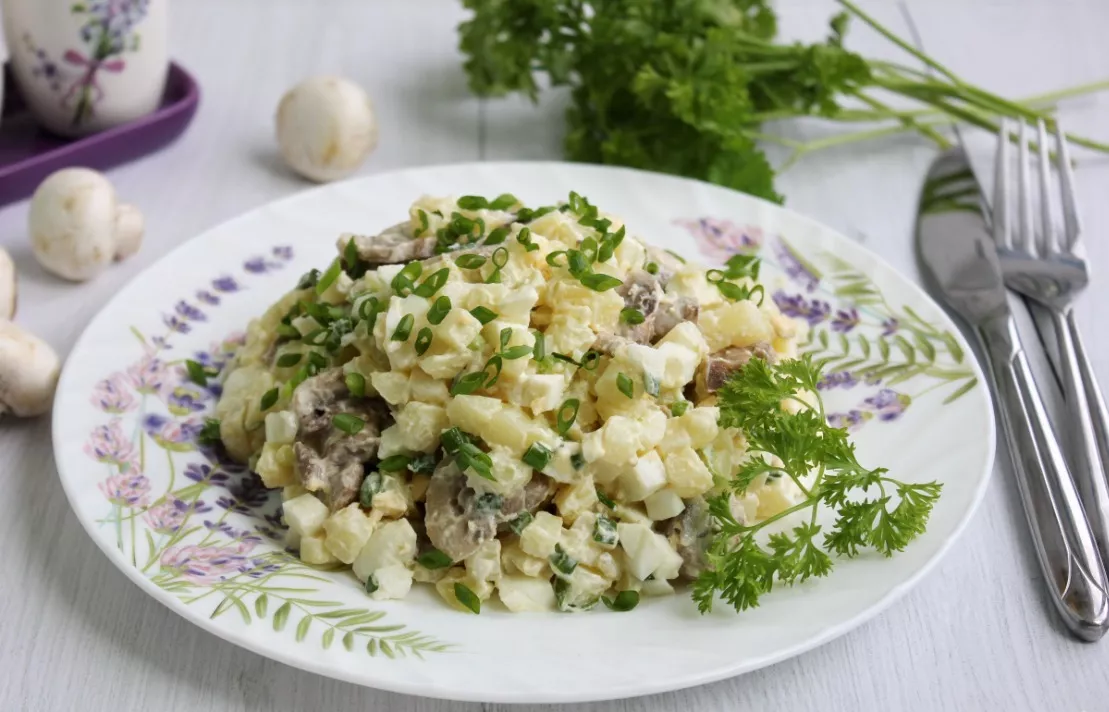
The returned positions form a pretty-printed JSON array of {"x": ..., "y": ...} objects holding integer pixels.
[{"x": 533, "y": 405}]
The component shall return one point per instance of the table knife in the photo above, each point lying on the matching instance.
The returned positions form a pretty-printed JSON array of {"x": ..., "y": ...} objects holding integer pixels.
[{"x": 960, "y": 256}]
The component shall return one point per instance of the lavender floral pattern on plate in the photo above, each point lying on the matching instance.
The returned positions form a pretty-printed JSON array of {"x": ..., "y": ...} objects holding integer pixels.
[{"x": 211, "y": 530}]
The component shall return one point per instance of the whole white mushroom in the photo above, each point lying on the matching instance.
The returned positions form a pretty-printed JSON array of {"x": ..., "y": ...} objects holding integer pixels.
[
  {"x": 78, "y": 227},
  {"x": 7, "y": 285},
  {"x": 28, "y": 372},
  {"x": 326, "y": 128}
]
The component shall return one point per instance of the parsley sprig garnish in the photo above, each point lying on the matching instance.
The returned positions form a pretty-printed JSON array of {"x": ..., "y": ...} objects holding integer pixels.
[{"x": 872, "y": 510}]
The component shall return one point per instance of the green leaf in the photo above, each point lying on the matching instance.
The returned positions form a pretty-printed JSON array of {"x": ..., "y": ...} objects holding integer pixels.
[
  {"x": 844, "y": 344},
  {"x": 379, "y": 628},
  {"x": 281, "y": 616},
  {"x": 953, "y": 347},
  {"x": 348, "y": 641},
  {"x": 223, "y": 607},
  {"x": 864, "y": 345},
  {"x": 388, "y": 649},
  {"x": 302, "y": 627},
  {"x": 906, "y": 348},
  {"x": 328, "y": 638},
  {"x": 341, "y": 613},
  {"x": 823, "y": 338},
  {"x": 260, "y": 605},
  {"x": 925, "y": 346},
  {"x": 961, "y": 391},
  {"x": 884, "y": 349},
  {"x": 371, "y": 647},
  {"x": 362, "y": 618}
]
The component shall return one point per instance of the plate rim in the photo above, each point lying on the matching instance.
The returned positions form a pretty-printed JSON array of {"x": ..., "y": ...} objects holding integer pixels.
[{"x": 427, "y": 688}]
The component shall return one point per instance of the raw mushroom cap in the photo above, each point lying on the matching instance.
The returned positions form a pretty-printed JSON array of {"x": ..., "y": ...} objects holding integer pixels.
[
  {"x": 8, "y": 283},
  {"x": 28, "y": 372}
]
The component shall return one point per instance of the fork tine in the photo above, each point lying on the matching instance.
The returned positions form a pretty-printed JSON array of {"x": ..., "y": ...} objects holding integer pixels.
[
  {"x": 1025, "y": 240},
  {"x": 1002, "y": 206},
  {"x": 1066, "y": 185},
  {"x": 1047, "y": 244}
]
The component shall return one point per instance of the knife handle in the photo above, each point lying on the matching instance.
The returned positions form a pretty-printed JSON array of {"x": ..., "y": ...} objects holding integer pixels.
[
  {"x": 1064, "y": 544},
  {"x": 1086, "y": 429}
]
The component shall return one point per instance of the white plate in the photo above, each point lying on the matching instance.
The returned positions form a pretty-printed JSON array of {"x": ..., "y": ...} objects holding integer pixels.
[{"x": 124, "y": 398}]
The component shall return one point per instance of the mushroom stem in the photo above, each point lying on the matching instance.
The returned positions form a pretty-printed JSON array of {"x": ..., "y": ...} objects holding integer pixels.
[
  {"x": 129, "y": 231},
  {"x": 8, "y": 281},
  {"x": 28, "y": 372}
]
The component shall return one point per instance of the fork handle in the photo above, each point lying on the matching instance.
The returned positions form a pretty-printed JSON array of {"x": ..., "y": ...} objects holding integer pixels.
[
  {"x": 1064, "y": 543},
  {"x": 1087, "y": 440}
]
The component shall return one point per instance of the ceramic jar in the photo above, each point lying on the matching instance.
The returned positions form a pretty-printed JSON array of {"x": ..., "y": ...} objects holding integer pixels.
[{"x": 87, "y": 65}]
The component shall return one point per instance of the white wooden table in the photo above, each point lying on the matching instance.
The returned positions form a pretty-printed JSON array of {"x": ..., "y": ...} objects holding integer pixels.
[{"x": 976, "y": 634}]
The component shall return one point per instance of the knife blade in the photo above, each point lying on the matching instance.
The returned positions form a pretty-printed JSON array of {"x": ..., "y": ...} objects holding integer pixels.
[{"x": 960, "y": 256}]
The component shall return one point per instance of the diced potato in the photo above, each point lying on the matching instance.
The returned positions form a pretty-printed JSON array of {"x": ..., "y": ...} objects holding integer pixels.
[
  {"x": 393, "y": 581},
  {"x": 393, "y": 501},
  {"x": 485, "y": 563},
  {"x": 472, "y": 413},
  {"x": 420, "y": 425},
  {"x": 313, "y": 550},
  {"x": 575, "y": 499},
  {"x": 392, "y": 442},
  {"x": 281, "y": 427},
  {"x": 644, "y": 478},
  {"x": 393, "y": 386},
  {"x": 524, "y": 594},
  {"x": 735, "y": 324},
  {"x": 277, "y": 465},
  {"x": 515, "y": 559},
  {"x": 392, "y": 543},
  {"x": 664, "y": 504},
  {"x": 348, "y": 530},
  {"x": 445, "y": 586},
  {"x": 687, "y": 474},
  {"x": 509, "y": 473},
  {"x": 561, "y": 466},
  {"x": 581, "y": 590},
  {"x": 427, "y": 389},
  {"x": 647, "y": 553},
  {"x": 696, "y": 428},
  {"x": 417, "y": 486},
  {"x": 657, "y": 586},
  {"x": 292, "y": 492},
  {"x": 305, "y": 515},
  {"x": 540, "y": 536},
  {"x": 543, "y": 392}
]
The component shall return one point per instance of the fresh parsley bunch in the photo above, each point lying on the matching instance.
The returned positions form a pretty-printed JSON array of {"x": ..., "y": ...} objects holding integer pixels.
[
  {"x": 684, "y": 86},
  {"x": 872, "y": 510}
]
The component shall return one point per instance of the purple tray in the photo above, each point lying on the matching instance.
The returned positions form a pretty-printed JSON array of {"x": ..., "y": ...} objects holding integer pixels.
[{"x": 28, "y": 153}]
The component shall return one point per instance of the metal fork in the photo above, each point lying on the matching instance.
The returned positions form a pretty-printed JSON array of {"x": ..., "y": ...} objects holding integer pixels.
[{"x": 1043, "y": 263}]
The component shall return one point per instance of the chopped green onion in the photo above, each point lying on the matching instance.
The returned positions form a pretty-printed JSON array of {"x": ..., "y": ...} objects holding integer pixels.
[
  {"x": 497, "y": 363},
  {"x": 539, "y": 351},
  {"x": 461, "y": 225},
  {"x": 600, "y": 282},
  {"x": 467, "y": 598},
  {"x": 591, "y": 360},
  {"x": 561, "y": 562},
  {"x": 393, "y": 463},
  {"x": 209, "y": 433},
  {"x": 371, "y": 485},
  {"x": 404, "y": 328},
  {"x": 432, "y": 283},
  {"x": 500, "y": 257},
  {"x": 300, "y": 377},
  {"x": 604, "y": 531},
  {"x": 356, "y": 384},
  {"x": 552, "y": 258},
  {"x": 489, "y": 502},
  {"x": 505, "y": 335},
  {"x": 588, "y": 249},
  {"x": 714, "y": 276},
  {"x": 632, "y": 316},
  {"x": 367, "y": 310},
  {"x": 422, "y": 464},
  {"x": 371, "y": 584},
  {"x": 287, "y": 360},
  {"x": 453, "y": 440},
  {"x": 352, "y": 260},
  {"x": 538, "y": 456},
  {"x": 521, "y": 522},
  {"x": 329, "y": 277},
  {"x": 197, "y": 373},
  {"x": 605, "y": 499},
  {"x": 350, "y": 424},
  {"x": 563, "y": 357},
  {"x": 470, "y": 261},
  {"x": 472, "y": 202},
  {"x": 516, "y": 352},
  {"x": 677, "y": 408},
  {"x": 743, "y": 266},
  {"x": 439, "y": 310},
  {"x": 676, "y": 256},
  {"x": 469, "y": 383},
  {"x": 578, "y": 264},
  {"x": 652, "y": 267},
  {"x": 315, "y": 337},
  {"x": 577, "y": 460},
  {"x": 317, "y": 359},
  {"x": 423, "y": 340},
  {"x": 567, "y": 414},
  {"x": 406, "y": 277},
  {"x": 606, "y": 252},
  {"x": 308, "y": 279},
  {"x": 483, "y": 314},
  {"x": 625, "y": 385},
  {"x": 287, "y": 331},
  {"x": 504, "y": 201},
  {"x": 651, "y": 385},
  {"x": 433, "y": 559},
  {"x": 423, "y": 222},
  {"x": 624, "y": 601},
  {"x": 524, "y": 238},
  {"x": 269, "y": 398},
  {"x": 497, "y": 236}
]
